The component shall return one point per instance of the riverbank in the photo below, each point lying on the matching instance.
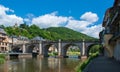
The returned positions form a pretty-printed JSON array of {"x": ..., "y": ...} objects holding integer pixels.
[
  {"x": 2, "y": 58},
  {"x": 103, "y": 64},
  {"x": 85, "y": 62}
]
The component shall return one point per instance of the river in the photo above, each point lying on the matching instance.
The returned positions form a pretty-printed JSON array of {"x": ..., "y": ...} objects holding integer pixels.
[{"x": 40, "y": 65}]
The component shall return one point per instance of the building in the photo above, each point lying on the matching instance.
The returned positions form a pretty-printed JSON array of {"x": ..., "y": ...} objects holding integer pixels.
[
  {"x": 110, "y": 36},
  {"x": 15, "y": 41},
  {"x": 4, "y": 43}
]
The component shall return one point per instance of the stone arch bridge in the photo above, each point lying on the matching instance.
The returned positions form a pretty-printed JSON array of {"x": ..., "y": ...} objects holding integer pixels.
[{"x": 61, "y": 46}]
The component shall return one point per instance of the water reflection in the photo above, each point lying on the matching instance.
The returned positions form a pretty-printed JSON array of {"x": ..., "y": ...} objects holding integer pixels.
[{"x": 40, "y": 65}]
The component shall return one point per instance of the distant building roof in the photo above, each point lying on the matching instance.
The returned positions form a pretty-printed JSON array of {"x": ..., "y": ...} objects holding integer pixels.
[
  {"x": 19, "y": 37},
  {"x": 2, "y": 31},
  {"x": 22, "y": 37}
]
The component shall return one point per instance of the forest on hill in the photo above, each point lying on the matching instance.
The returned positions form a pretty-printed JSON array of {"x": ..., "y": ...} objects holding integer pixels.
[{"x": 52, "y": 33}]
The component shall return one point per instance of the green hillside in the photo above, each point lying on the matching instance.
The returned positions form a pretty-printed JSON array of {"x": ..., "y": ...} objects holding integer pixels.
[
  {"x": 52, "y": 33},
  {"x": 69, "y": 34}
]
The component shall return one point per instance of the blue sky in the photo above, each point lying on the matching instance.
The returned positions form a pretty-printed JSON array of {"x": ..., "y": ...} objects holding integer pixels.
[{"x": 85, "y": 16}]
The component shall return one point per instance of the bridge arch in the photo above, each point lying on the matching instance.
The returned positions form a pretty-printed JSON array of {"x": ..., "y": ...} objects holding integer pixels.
[
  {"x": 30, "y": 48},
  {"x": 49, "y": 48},
  {"x": 70, "y": 46},
  {"x": 90, "y": 47},
  {"x": 16, "y": 48}
]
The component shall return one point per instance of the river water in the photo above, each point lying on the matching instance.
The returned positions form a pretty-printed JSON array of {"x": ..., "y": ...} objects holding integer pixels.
[{"x": 40, "y": 65}]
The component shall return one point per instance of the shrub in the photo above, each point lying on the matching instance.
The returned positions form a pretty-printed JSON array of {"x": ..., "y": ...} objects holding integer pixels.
[{"x": 2, "y": 58}]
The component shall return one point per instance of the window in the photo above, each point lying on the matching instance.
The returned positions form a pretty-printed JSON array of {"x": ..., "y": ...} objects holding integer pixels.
[{"x": 6, "y": 44}]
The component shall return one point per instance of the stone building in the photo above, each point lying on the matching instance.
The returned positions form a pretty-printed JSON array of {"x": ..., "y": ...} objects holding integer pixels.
[
  {"x": 4, "y": 41},
  {"x": 110, "y": 36}
]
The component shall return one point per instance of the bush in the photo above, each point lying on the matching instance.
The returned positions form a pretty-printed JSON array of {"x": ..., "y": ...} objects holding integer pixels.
[
  {"x": 2, "y": 58},
  {"x": 53, "y": 53}
]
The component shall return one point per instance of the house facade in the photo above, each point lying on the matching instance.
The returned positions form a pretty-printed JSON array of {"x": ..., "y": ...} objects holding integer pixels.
[
  {"x": 4, "y": 41},
  {"x": 110, "y": 36}
]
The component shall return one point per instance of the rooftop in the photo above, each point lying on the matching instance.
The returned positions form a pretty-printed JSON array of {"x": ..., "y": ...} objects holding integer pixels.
[
  {"x": 38, "y": 38},
  {"x": 2, "y": 31}
]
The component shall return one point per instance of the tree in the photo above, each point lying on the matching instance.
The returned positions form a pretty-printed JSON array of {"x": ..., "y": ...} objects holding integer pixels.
[
  {"x": 2, "y": 26},
  {"x": 94, "y": 49},
  {"x": 24, "y": 26}
]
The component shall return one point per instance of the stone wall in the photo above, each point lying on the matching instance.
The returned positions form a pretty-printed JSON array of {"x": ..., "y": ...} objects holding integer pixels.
[
  {"x": 108, "y": 50},
  {"x": 117, "y": 50}
]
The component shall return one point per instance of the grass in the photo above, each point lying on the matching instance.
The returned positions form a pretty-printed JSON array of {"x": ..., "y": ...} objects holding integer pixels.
[
  {"x": 68, "y": 53},
  {"x": 83, "y": 64},
  {"x": 2, "y": 58},
  {"x": 53, "y": 54},
  {"x": 73, "y": 53}
]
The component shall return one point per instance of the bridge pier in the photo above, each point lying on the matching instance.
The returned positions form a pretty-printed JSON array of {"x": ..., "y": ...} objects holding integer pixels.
[
  {"x": 83, "y": 48},
  {"x": 41, "y": 53},
  {"x": 83, "y": 56},
  {"x": 59, "y": 49},
  {"x": 23, "y": 49},
  {"x": 40, "y": 48}
]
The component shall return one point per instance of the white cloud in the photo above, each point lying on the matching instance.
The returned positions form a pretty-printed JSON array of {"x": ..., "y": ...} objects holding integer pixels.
[
  {"x": 93, "y": 31},
  {"x": 11, "y": 10},
  {"x": 49, "y": 20},
  {"x": 28, "y": 19},
  {"x": 82, "y": 25},
  {"x": 8, "y": 20},
  {"x": 77, "y": 25},
  {"x": 85, "y": 24},
  {"x": 90, "y": 17}
]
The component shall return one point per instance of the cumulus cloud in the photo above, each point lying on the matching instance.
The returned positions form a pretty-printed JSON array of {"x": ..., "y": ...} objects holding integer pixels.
[
  {"x": 50, "y": 20},
  {"x": 8, "y": 20},
  {"x": 83, "y": 24},
  {"x": 86, "y": 23},
  {"x": 93, "y": 30},
  {"x": 90, "y": 17}
]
